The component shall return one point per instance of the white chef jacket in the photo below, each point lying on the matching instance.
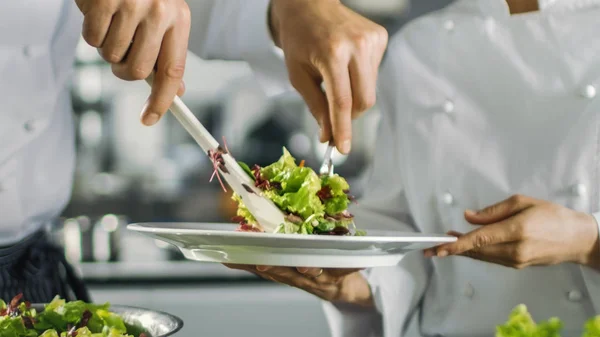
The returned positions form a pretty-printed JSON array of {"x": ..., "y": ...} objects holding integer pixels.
[{"x": 477, "y": 105}]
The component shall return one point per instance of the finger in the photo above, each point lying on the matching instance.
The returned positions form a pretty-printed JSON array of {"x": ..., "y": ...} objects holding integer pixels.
[
  {"x": 310, "y": 272},
  {"x": 263, "y": 268},
  {"x": 430, "y": 252},
  {"x": 181, "y": 89},
  {"x": 499, "y": 232},
  {"x": 363, "y": 83},
  {"x": 95, "y": 26},
  {"x": 169, "y": 74},
  {"x": 308, "y": 86},
  {"x": 507, "y": 254},
  {"x": 142, "y": 54},
  {"x": 119, "y": 37},
  {"x": 239, "y": 266},
  {"x": 339, "y": 97},
  {"x": 500, "y": 211}
]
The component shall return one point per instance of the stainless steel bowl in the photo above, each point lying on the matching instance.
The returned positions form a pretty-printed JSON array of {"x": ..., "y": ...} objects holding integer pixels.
[{"x": 138, "y": 320}]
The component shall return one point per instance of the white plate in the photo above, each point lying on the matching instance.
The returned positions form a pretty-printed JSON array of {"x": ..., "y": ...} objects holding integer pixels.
[{"x": 214, "y": 242}]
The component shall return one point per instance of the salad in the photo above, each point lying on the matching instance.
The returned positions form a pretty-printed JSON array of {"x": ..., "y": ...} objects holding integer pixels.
[
  {"x": 312, "y": 204},
  {"x": 60, "y": 319},
  {"x": 521, "y": 324}
]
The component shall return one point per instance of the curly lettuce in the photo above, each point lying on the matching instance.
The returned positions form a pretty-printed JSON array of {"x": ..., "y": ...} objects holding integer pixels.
[{"x": 313, "y": 204}]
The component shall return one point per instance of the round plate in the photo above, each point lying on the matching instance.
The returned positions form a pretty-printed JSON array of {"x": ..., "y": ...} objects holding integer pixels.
[{"x": 214, "y": 242}]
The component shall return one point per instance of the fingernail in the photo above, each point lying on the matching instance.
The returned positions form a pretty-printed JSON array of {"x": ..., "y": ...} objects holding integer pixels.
[
  {"x": 261, "y": 268},
  {"x": 442, "y": 253},
  {"x": 345, "y": 148},
  {"x": 302, "y": 270},
  {"x": 470, "y": 212},
  {"x": 151, "y": 118},
  {"x": 428, "y": 253}
]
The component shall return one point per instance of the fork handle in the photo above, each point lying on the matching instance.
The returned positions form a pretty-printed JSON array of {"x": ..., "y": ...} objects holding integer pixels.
[{"x": 189, "y": 121}]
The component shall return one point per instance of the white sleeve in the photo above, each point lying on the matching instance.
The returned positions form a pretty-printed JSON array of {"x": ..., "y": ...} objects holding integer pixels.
[
  {"x": 239, "y": 30},
  {"x": 396, "y": 290}
]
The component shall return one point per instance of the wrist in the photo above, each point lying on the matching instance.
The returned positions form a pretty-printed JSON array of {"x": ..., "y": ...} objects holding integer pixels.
[
  {"x": 590, "y": 241},
  {"x": 355, "y": 290}
]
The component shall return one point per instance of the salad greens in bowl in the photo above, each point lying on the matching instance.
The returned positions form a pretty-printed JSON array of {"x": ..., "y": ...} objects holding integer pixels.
[
  {"x": 521, "y": 324},
  {"x": 60, "y": 318},
  {"x": 312, "y": 203}
]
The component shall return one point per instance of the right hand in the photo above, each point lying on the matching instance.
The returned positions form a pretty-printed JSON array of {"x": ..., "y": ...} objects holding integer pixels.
[
  {"x": 334, "y": 285},
  {"x": 324, "y": 41}
]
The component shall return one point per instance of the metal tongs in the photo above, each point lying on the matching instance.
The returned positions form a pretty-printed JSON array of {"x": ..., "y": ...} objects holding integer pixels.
[{"x": 268, "y": 215}]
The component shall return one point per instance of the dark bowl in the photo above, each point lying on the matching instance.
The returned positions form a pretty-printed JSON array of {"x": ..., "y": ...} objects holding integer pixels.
[{"x": 138, "y": 320}]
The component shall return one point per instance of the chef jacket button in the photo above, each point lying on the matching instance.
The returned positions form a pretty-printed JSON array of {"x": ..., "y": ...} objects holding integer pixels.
[
  {"x": 579, "y": 190},
  {"x": 469, "y": 291},
  {"x": 574, "y": 296},
  {"x": 449, "y": 25},
  {"x": 589, "y": 91},
  {"x": 448, "y": 106},
  {"x": 447, "y": 198},
  {"x": 26, "y": 51}
]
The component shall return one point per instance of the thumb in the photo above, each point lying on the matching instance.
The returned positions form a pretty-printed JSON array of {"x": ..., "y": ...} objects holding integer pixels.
[{"x": 499, "y": 211}]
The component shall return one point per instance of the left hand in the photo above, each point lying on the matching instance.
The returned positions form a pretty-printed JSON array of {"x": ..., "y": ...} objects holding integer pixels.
[
  {"x": 522, "y": 231},
  {"x": 333, "y": 285},
  {"x": 138, "y": 36}
]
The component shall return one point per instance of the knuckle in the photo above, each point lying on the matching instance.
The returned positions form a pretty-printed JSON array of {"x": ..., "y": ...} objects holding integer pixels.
[
  {"x": 92, "y": 37},
  {"x": 130, "y": 6},
  {"x": 174, "y": 71},
  {"x": 139, "y": 72},
  {"x": 336, "y": 49},
  {"x": 521, "y": 255},
  {"x": 481, "y": 241},
  {"x": 365, "y": 103},
  {"x": 342, "y": 102},
  {"x": 517, "y": 199},
  {"x": 361, "y": 41},
  {"x": 110, "y": 55},
  {"x": 185, "y": 15},
  {"x": 159, "y": 9}
]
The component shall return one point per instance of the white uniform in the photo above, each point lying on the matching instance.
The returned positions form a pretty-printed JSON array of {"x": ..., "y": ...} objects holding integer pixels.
[{"x": 477, "y": 105}]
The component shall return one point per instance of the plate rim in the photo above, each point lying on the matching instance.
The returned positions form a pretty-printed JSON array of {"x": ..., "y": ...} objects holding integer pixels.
[{"x": 139, "y": 227}]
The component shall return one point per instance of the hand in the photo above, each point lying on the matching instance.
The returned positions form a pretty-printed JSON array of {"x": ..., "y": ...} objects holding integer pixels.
[
  {"x": 138, "y": 36},
  {"x": 334, "y": 285},
  {"x": 522, "y": 231},
  {"x": 324, "y": 41}
]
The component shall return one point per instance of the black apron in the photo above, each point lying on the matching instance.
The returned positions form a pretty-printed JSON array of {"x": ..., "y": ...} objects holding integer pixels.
[{"x": 38, "y": 269}]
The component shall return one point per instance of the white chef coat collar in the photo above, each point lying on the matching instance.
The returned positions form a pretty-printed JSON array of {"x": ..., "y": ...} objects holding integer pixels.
[{"x": 500, "y": 7}]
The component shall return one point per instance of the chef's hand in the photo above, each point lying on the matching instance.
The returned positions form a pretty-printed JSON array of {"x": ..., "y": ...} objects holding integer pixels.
[
  {"x": 138, "y": 36},
  {"x": 523, "y": 231},
  {"x": 324, "y": 41},
  {"x": 334, "y": 285}
]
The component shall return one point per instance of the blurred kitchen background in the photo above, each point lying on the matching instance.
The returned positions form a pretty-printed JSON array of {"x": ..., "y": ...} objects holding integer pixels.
[{"x": 130, "y": 173}]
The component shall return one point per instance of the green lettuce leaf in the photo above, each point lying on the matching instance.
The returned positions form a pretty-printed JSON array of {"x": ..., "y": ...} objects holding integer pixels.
[
  {"x": 243, "y": 210},
  {"x": 521, "y": 324},
  {"x": 285, "y": 162},
  {"x": 592, "y": 327}
]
